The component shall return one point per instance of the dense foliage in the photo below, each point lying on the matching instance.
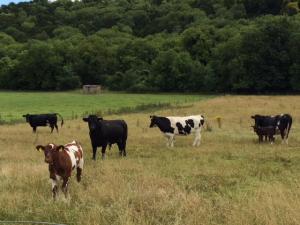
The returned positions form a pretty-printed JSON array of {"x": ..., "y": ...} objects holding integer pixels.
[{"x": 243, "y": 46}]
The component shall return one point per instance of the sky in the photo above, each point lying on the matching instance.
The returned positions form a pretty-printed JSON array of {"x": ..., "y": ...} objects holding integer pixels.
[{"x": 6, "y": 2}]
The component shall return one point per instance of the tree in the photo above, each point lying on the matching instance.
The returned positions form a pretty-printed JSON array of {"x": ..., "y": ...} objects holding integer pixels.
[
  {"x": 41, "y": 68},
  {"x": 94, "y": 60},
  {"x": 198, "y": 42},
  {"x": 261, "y": 7}
]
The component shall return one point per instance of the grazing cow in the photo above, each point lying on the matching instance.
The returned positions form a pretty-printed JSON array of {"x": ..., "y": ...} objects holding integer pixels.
[
  {"x": 62, "y": 160},
  {"x": 282, "y": 122},
  {"x": 36, "y": 120},
  {"x": 107, "y": 132},
  {"x": 172, "y": 126}
]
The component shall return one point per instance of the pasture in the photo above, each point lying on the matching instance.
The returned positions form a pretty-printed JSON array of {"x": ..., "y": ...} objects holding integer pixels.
[
  {"x": 74, "y": 104},
  {"x": 229, "y": 179}
]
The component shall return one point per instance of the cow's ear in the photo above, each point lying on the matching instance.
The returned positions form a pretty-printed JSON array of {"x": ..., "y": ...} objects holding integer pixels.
[
  {"x": 60, "y": 147},
  {"x": 253, "y": 117},
  {"x": 151, "y": 116},
  {"x": 24, "y": 115},
  {"x": 85, "y": 119},
  {"x": 38, "y": 147},
  {"x": 100, "y": 118}
]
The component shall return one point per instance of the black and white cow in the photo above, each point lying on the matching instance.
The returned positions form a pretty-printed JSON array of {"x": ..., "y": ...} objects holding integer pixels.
[
  {"x": 282, "y": 122},
  {"x": 172, "y": 126},
  {"x": 37, "y": 120},
  {"x": 107, "y": 132}
]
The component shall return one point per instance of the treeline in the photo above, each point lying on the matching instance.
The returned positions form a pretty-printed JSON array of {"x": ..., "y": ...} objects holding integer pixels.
[{"x": 242, "y": 46}]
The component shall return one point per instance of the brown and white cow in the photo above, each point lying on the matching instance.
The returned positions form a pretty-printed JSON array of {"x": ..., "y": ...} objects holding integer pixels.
[{"x": 62, "y": 160}]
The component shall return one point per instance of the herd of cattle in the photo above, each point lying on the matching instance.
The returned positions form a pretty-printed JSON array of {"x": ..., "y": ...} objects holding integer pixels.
[{"x": 63, "y": 159}]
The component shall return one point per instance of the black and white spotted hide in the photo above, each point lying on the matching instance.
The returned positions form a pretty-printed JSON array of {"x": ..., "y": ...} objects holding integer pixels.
[{"x": 172, "y": 126}]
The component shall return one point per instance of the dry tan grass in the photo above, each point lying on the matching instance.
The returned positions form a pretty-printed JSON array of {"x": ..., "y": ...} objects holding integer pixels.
[{"x": 230, "y": 179}]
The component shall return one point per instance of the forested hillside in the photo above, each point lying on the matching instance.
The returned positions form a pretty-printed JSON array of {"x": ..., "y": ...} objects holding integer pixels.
[{"x": 240, "y": 46}]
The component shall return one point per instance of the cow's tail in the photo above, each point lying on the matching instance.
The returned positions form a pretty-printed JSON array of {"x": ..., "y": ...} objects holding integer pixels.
[
  {"x": 126, "y": 130},
  {"x": 62, "y": 119},
  {"x": 289, "y": 125}
]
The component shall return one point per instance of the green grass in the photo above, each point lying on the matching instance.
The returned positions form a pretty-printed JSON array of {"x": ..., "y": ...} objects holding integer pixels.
[
  {"x": 75, "y": 104},
  {"x": 229, "y": 179}
]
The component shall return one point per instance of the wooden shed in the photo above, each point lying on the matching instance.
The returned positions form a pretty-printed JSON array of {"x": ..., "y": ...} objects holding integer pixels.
[{"x": 91, "y": 89}]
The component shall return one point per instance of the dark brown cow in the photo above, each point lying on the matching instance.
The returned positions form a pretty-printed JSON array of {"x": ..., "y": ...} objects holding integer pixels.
[
  {"x": 62, "y": 160},
  {"x": 267, "y": 132}
]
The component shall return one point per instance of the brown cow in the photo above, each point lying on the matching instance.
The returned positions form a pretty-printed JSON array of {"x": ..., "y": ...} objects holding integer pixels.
[{"x": 62, "y": 160}]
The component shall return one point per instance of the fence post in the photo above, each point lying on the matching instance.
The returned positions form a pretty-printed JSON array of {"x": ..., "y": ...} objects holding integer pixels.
[{"x": 219, "y": 121}]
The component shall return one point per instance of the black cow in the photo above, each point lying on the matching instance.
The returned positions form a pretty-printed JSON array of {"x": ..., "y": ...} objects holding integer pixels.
[
  {"x": 42, "y": 120},
  {"x": 282, "y": 122},
  {"x": 107, "y": 132}
]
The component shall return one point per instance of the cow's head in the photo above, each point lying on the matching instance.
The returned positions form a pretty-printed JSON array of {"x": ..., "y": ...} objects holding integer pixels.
[
  {"x": 26, "y": 116},
  {"x": 202, "y": 120},
  {"x": 153, "y": 121},
  {"x": 49, "y": 150},
  {"x": 256, "y": 118},
  {"x": 93, "y": 121},
  {"x": 254, "y": 128}
]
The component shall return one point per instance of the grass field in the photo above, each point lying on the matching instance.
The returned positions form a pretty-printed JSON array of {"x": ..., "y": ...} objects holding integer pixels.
[
  {"x": 75, "y": 104},
  {"x": 229, "y": 179}
]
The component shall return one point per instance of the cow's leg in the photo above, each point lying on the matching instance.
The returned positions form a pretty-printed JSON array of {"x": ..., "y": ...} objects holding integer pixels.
[
  {"x": 78, "y": 174},
  {"x": 168, "y": 141},
  {"x": 65, "y": 185},
  {"x": 56, "y": 127},
  {"x": 172, "y": 137},
  {"x": 197, "y": 139},
  {"x": 54, "y": 188},
  {"x": 271, "y": 139},
  {"x": 124, "y": 148},
  {"x": 34, "y": 129},
  {"x": 260, "y": 138},
  {"x": 282, "y": 134},
  {"x": 103, "y": 150},
  {"x": 52, "y": 127},
  {"x": 120, "y": 147},
  {"x": 94, "y": 152},
  {"x": 285, "y": 135},
  {"x": 79, "y": 169}
]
